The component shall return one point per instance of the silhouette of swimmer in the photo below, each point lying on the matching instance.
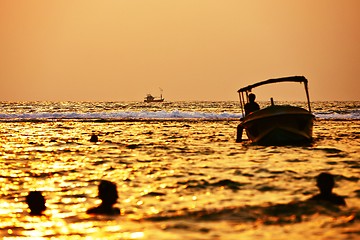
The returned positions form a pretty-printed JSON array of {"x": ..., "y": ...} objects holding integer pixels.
[
  {"x": 325, "y": 182},
  {"x": 108, "y": 194},
  {"x": 94, "y": 138},
  {"x": 36, "y": 203}
]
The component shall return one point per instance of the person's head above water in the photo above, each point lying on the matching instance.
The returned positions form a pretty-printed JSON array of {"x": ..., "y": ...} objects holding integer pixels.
[
  {"x": 36, "y": 202},
  {"x": 94, "y": 138},
  {"x": 107, "y": 192},
  {"x": 252, "y": 97},
  {"x": 325, "y": 182}
]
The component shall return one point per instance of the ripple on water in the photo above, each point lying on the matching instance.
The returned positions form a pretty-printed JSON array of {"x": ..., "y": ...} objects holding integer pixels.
[
  {"x": 297, "y": 160},
  {"x": 267, "y": 214},
  {"x": 328, "y": 149},
  {"x": 203, "y": 184}
]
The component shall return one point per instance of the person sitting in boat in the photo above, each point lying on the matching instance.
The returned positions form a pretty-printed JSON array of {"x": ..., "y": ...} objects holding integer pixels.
[
  {"x": 325, "y": 182},
  {"x": 36, "y": 202},
  {"x": 251, "y": 106},
  {"x": 108, "y": 194}
]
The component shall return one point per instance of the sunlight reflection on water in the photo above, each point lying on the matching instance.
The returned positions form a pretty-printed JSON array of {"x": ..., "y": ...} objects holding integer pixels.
[{"x": 176, "y": 180}]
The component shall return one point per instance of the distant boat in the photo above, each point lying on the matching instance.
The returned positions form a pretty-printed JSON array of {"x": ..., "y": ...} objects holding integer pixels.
[
  {"x": 277, "y": 124},
  {"x": 150, "y": 98}
]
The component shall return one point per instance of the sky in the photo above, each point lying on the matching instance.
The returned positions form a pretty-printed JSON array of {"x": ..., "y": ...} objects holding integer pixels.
[{"x": 203, "y": 50}]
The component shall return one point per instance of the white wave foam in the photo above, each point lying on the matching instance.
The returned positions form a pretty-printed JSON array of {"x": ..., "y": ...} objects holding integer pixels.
[
  {"x": 341, "y": 116},
  {"x": 124, "y": 115},
  {"x": 176, "y": 114},
  {"x": 337, "y": 116}
]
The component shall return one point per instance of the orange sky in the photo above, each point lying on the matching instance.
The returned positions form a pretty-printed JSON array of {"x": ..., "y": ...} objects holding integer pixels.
[{"x": 119, "y": 50}]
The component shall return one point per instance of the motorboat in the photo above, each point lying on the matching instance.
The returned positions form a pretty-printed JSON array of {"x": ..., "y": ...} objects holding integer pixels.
[
  {"x": 150, "y": 98},
  {"x": 276, "y": 124}
]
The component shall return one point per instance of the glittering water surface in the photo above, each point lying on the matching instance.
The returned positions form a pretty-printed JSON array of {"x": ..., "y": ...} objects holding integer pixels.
[{"x": 179, "y": 172}]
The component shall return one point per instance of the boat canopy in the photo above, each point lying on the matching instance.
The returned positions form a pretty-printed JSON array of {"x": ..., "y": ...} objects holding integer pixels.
[
  {"x": 300, "y": 79},
  {"x": 247, "y": 89}
]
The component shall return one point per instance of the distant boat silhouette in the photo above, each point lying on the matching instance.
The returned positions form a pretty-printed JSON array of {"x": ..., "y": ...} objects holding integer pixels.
[{"x": 150, "y": 98}]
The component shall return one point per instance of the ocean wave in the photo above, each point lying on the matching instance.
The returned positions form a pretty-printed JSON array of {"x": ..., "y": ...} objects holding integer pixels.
[
  {"x": 156, "y": 115},
  {"x": 267, "y": 214},
  {"x": 340, "y": 115},
  {"x": 123, "y": 115}
]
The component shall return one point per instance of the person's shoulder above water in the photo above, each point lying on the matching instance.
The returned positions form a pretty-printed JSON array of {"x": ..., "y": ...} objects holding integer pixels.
[
  {"x": 325, "y": 182},
  {"x": 103, "y": 210},
  {"x": 333, "y": 198}
]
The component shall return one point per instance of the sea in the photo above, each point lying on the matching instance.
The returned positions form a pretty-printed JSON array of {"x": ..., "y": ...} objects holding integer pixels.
[{"x": 180, "y": 173}]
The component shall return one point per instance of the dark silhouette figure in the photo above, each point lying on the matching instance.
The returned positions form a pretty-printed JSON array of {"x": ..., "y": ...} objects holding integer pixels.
[
  {"x": 239, "y": 132},
  {"x": 251, "y": 106},
  {"x": 325, "y": 182},
  {"x": 36, "y": 203},
  {"x": 108, "y": 194},
  {"x": 94, "y": 138}
]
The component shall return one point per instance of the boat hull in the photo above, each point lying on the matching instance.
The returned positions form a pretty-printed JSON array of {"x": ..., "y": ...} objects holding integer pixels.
[
  {"x": 155, "y": 100},
  {"x": 279, "y": 125}
]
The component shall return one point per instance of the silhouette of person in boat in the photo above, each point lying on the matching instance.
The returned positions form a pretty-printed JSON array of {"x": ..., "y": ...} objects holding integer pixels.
[
  {"x": 36, "y": 202},
  {"x": 251, "y": 106},
  {"x": 108, "y": 194},
  {"x": 325, "y": 182}
]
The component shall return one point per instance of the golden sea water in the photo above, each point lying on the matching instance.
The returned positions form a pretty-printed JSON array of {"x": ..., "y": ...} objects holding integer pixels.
[{"x": 179, "y": 172}]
